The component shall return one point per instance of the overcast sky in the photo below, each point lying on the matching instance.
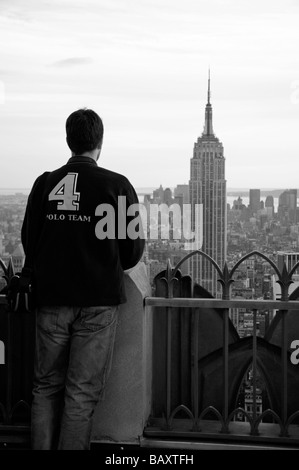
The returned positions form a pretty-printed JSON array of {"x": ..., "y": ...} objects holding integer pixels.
[{"x": 143, "y": 66}]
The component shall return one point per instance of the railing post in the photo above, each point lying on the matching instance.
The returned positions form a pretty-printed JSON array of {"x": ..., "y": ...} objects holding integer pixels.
[
  {"x": 225, "y": 281},
  {"x": 285, "y": 281},
  {"x": 225, "y": 370},
  {"x": 195, "y": 385},
  {"x": 168, "y": 367},
  {"x": 8, "y": 369},
  {"x": 254, "y": 360},
  {"x": 170, "y": 286},
  {"x": 284, "y": 367}
]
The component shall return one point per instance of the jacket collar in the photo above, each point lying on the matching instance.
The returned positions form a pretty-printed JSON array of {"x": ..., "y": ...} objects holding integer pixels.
[{"x": 81, "y": 159}]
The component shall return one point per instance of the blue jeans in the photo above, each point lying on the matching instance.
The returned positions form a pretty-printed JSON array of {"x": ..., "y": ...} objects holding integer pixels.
[{"x": 73, "y": 356}]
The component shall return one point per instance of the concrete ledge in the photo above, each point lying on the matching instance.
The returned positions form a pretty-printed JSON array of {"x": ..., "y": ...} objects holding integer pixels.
[{"x": 122, "y": 414}]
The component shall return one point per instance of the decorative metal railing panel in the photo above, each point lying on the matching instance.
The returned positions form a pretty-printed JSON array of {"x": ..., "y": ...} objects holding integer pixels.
[
  {"x": 16, "y": 368},
  {"x": 200, "y": 360}
]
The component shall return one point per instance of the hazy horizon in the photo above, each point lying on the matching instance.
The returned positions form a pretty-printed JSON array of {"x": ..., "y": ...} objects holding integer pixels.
[{"x": 152, "y": 188}]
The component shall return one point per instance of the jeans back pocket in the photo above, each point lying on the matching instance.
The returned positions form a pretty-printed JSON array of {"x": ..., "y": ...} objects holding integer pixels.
[{"x": 98, "y": 317}]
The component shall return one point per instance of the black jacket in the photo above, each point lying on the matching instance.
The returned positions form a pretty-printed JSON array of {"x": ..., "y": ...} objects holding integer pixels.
[{"x": 69, "y": 213}]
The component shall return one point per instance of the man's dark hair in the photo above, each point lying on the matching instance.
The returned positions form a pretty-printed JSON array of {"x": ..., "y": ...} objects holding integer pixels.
[{"x": 84, "y": 131}]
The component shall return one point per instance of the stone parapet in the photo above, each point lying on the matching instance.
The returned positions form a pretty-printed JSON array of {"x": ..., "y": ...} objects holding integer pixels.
[{"x": 121, "y": 415}]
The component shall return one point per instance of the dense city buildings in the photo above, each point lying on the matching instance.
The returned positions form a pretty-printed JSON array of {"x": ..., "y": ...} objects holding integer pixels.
[
  {"x": 208, "y": 187},
  {"x": 12, "y": 210}
]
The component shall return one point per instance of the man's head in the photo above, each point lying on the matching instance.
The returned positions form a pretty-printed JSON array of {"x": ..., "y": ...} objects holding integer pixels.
[{"x": 84, "y": 132}]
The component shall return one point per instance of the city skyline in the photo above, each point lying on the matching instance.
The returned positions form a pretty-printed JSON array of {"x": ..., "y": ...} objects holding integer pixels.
[{"x": 143, "y": 67}]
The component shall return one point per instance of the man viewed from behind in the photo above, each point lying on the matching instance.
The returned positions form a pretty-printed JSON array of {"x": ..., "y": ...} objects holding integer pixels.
[{"x": 77, "y": 253}]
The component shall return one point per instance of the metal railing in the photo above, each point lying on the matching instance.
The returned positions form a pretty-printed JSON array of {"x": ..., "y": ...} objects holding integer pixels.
[
  {"x": 195, "y": 386},
  {"x": 198, "y": 365},
  {"x": 16, "y": 370}
]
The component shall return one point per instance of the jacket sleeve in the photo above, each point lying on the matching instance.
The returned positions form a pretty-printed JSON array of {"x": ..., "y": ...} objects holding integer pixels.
[{"x": 131, "y": 245}]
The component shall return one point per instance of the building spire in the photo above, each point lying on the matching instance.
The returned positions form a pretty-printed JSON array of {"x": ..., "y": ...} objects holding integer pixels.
[
  {"x": 209, "y": 91},
  {"x": 208, "y": 129}
]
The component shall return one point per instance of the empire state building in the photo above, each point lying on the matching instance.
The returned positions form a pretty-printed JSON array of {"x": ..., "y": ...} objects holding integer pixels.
[{"x": 207, "y": 186}]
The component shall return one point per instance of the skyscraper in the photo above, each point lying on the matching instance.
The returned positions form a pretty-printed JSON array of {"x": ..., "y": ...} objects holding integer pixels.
[
  {"x": 208, "y": 187},
  {"x": 254, "y": 200},
  {"x": 269, "y": 201},
  {"x": 287, "y": 206}
]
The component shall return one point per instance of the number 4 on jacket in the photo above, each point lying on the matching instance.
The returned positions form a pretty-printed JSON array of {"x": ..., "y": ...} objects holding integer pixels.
[{"x": 65, "y": 193}]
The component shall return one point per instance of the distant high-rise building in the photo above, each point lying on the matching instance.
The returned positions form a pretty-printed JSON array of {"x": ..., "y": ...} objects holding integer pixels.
[
  {"x": 158, "y": 194},
  {"x": 208, "y": 187},
  {"x": 269, "y": 201},
  {"x": 269, "y": 206},
  {"x": 182, "y": 190},
  {"x": 287, "y": 206},
  {"x": 181, "y": 194},
  {"x": 254, "y": 200},
  {"x": 167, "y": 196}
]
